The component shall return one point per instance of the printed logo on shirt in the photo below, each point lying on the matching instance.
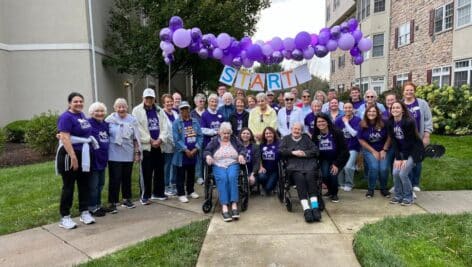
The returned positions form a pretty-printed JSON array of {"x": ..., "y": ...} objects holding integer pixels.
[
  {"x": 398, "y": 132},
  {"x": 346, "y": 133},
  {"x": 326, "y": 144},
  {"x": 248, "y": 155},
  {"x": 414, "y": 111},
  {"x": 240, "y": 124},
  {"x": 84, "y": 124},
  {"x": 220, "y": 116},
  {"x": 375, "y": 137},
  {"x": 268, "y": 154},
  {"x": 103, "y": 137},
  {"x": 153, "y": 124},
  {"x": 190, "y": 134},
  {"x": 215, "y": 125}
]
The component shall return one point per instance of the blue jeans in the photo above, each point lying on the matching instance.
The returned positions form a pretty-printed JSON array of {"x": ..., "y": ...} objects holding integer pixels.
[
  {"x": 96, "y": 182},
  {"x": 415, "y": 174},
  {"x": 169, "y": 170},
  {"x": 199, "y": 165},
  {"x": 227, "y": 183},
  {"x": 268, "y": 180},
  {"x": 346, "y": 175},
  {"x": 377, "y": 169},
  {"x": 403, "y": 188},
  {"x": 331, "y": 181}
]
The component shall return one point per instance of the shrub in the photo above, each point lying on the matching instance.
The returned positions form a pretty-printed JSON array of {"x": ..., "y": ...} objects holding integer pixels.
[
  {"x": 3, "y": 139},
  {"x": 16, "y": 131},
  {"x": 451, "y": 108},
  {"x": 41, "y": 133}
]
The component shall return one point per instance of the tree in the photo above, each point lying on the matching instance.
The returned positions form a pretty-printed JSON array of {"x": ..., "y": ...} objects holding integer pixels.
[
  {"x": 268, "y": 68},
  {"x": 134, "y": 25},
  {"x": 316, "y": 83}
]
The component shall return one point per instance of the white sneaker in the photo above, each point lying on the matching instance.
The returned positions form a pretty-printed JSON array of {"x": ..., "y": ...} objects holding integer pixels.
[
  {"x": 169, "y": 193},
  {"x": 183, "y": 199},
  {"x": 416, "y": 189},
  {"x": 86, "y": 218},
  {"x": 200, "y": 181},
  {"x": 67, "y": 223},
  {"x": 392, "y": 190},
  {"x": 194, "y": 195},
  {"x": 347, "y": 188},
  {"x": 414, "y": 195}
]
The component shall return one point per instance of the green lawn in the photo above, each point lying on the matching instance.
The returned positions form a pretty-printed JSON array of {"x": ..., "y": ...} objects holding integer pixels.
[
  {"x": 451, "y": 172},
  {"x": 418, "y": 240},
  {"x": 179, "y": 247}
]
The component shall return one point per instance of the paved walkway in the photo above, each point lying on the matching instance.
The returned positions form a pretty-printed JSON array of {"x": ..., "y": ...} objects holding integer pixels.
[{"x": 266, "y": 234}]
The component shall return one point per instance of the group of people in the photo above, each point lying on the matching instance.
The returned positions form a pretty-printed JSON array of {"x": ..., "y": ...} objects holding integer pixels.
[{"x": 323, "y": 136}]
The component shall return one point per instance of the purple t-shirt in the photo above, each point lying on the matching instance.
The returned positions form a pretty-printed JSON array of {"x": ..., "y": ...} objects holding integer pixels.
[
  {"x": 288, "y": 112},
  {"x": 399, "y": 136},
  {"x": 352, "y": 141},
  {"x": 153, "y": 123},
  {"x": 376, "y": 138},
  {"x": 327, "y": 146},
  {"x": 415, "y": 112},
  {"x": 176, "y": 110},
  {"x": 190, "y": 141},
  {"x": 239, "y": 120},
  {"x": 275, "y": 107},
  {"x": 212, "y": 121},
  {"x": 76, "y": 125},
  {"x": 100, "y": 130},
  {"x": 270, "y": 156},
  {"x": 170, "y": 116},
  {"x": 357, "y": 104},
  {"x": 249, "y": 157},
  {"x": 310, "y": 121}
]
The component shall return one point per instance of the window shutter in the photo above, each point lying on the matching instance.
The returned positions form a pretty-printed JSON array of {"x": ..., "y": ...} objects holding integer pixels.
[
  {"x": 396, "y": 38},
  {"x": 429, "y": 76},
  {"x": 431, "y": 22},
  {"x": 412, "y": 31},
  {"x": 410, "y": 76},
  {"x": 394, "y": 81}
]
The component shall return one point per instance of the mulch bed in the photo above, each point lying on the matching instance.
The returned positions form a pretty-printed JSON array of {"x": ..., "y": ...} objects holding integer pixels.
[{"x": 17, "y": 154}]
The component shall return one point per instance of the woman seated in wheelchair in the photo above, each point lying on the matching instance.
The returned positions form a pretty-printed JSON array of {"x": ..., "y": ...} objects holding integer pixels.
[
  {"x": 225, "y": 152},
  {"x": 300, "y": 154}
]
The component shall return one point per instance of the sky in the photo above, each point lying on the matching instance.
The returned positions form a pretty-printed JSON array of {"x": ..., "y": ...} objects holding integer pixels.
[{"x": 286, "y": 18}]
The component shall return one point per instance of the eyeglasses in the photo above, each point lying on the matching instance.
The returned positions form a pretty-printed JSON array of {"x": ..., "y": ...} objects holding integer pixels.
[
  {"x": 369, "y": 96},
  {"x": 288, "y": 99}
]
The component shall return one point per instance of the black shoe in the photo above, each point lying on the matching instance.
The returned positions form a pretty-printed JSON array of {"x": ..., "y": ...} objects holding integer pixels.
[
  {"x": 335, "y": 198},
  {"x": 235, "y": 214},
  {"x": 128, "y": 204},
  {"x": 112, "y": 209},
  {"x": 99, "y": 212},
  {"x": 316, "y": 214},
  {"x": 369, "y": 194},
  {"x": 385, "y": 193},
  {"x": 226, "y": 216},
  {"x": 308, "y": 214}
]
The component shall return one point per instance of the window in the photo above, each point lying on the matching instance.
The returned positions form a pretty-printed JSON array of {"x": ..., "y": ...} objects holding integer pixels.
[
  {"x": 363, "y": 9},
  {"x": 379, "y": 6},
  {"x": 441, "y": 76},
  {"x": 341, "y": 61},
  {"x": 404, "y": 34},
  {"x": 464, "y": 12},
  {"x": 443, "y": 18},
  {"x": 333, "y": 65},
  {"x": 378, "y": 84},
  {"x": 378, "y": 46},
  {"x": 463, "y": 72},
  {"x": 327, "y": 13},
  {"x": 401, "y": 79}
]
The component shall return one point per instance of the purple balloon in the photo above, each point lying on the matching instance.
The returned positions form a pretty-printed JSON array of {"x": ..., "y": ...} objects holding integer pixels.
[
  {"x": 277, "y": 44},
  {"x": 243, "y": 54},
  {"x": 297, "y": 54},
  {"x": 365, "y": 44},
  {"x": 254, "y": 52},
  {"x": 302, "y": 40},
  {"x": 277, "y": 56},
  {"x": 344, "y": 27},
  {"x": 234, "y": 48},
  {"x": 346, "y": 41},
  {"x": 194, "y": 47},
  {"x": 308, "y": 52},
  {"x": 358, "y": 60},
  {"x": 321, "y": 51},
  {"x": 195, "y": 33},
  {"x": 245, "y": 42},
  {"x": 181, "y": 38},
  {"x": 355, "y": 51},
  {"x": 324, "y": 36},
  {"x": 336, "y": 32},
  {"x": 223, "y": 40},
  {"x": 332, "y": 45},
  {"x": 206, "y": 40},
  {"x": 227, "y": 60},
  {"x": 176, "y": 23},
  {"x": 287, "y": 54},
  {"x": 289, "y": 43},
  {"x": 260, "y": 43},
  {"x": 247, "y": 63},
  {"x": 267, "y": 50},
  {"x": 314, "y": 39},
  {"x": 237, "y": 62},
  {"x": 357, "y": 34},
  {"x": 167, "y": 47},
  {"x": 165, "y": 34},
  {"x": 217, "y": 53},
  {"x": 203, "y": 53},
  {"x": 352, "y": 23}
]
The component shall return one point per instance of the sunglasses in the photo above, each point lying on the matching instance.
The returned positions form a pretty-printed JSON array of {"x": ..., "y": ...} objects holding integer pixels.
[
  {"x": 288, "y": 99},
  {"x": 306, "y": 96},
  {"x": 369, "y": 96}
]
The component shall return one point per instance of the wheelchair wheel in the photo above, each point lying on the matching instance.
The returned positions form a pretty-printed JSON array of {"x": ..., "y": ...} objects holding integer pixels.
[
  {"x": 243, "y": 188},
  {"x": 207, "y": 205},
  {"x": 208, "y": 190},
  {"x": 288, "y": 204},
  {"x": 281, "y": 183}
]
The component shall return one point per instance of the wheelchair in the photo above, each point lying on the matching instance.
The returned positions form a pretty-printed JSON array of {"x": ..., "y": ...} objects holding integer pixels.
[
  {"x": 285, "y": 183},
  {"x": 210, "y": 184}
]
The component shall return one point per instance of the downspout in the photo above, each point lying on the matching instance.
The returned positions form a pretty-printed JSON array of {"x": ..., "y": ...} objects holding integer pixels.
[{"x": 92, "y": 48}]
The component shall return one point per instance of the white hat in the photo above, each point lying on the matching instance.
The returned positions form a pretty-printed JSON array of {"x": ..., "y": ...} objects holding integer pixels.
[
  {"x": 148, "y": 92},
  {"x": 184, "y": 104}
]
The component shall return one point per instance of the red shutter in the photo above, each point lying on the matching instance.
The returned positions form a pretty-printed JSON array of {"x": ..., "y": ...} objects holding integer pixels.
[
  {"x": 410, "y": 76},
  {"x": 394, "y": 81},
  {"x": 412, "y": 31},
  {"x": 396, "y": 38},
  {"x": 429, "y": 76},
  {"x": 431, "y": 22}
]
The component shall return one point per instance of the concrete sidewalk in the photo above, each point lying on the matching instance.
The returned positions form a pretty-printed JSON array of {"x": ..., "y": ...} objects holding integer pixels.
[
  {"x": 51, "y": 245},
  {"x": 268, "y": 235}
]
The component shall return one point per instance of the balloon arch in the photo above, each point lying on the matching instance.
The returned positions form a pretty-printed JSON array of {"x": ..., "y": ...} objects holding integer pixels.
[{"x": 232, "y": 52}]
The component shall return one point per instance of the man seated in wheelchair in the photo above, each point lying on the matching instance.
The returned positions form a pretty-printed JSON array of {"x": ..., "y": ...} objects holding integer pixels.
[
  {"x": 300, "y": 155},
  {"x": 224, "y": 153}
]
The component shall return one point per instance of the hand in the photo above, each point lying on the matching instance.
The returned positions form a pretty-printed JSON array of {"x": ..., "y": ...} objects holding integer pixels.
[
  {"x": 426, "y": 139},
  {"x": 137, "y": 157},
  {"x": 194, "y": 152},
  {"x": 345, "y": 120},
  {"x": 242, "y": 159},
  {"x": 209, "y": 160},
  {"x": 252, "y": 179},
  {"x": 188, "y": 153},
  {"x": 58, "y": 136},
  {"x": 258, "y": 137},
  {"x": 383, "y": 154},
  {"x": 298, "y": 153},
  {"x": 75, "y": 163},
  {"x": 262, "y": 170},
  {"x": 397, "y": 164},
  {"x": 376, "y": 155},
  {"x": 334, "y": 170}
]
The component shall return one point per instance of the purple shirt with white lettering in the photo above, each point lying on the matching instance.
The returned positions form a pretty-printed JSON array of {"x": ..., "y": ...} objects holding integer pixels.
[
  {"x": 212, "y": 121},
  {"x": 239, "y": 119},
  {"x": 415, "y": 112},
  {"x": 270, "y": 156},
  {"x": 376, "y": 138},
  {"x": 100, "y": 130},
  {"x": 399, "y": 136},
  {"x": 310, "y": 121},
  {"x": 249, "y": 157},
  {"x": 76, "y": 125},
  {"x": 326, "y": 146},
  {"x": 190, "y": 142},
  {"x": 153, "y": 123},
  {"x": 351, "y": 140}
]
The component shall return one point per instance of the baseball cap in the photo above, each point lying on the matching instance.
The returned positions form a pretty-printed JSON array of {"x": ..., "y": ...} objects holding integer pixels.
[
  {"x": 184, "y": 104},
  {"x": 148, "y": 92},
  {"x": 270, "y": 93}
]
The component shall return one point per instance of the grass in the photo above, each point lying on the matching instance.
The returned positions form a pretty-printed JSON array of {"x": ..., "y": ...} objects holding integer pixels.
[
  {"x": 446, "y": 241},
  {"x": 179, "y": 247},
  {"x": 450, "y": 172},
  {"x": 29, "y": 196}
]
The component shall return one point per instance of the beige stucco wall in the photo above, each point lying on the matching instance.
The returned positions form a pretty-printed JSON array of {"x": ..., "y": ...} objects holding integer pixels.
[
  {"x": 4, "y": 93},
  {"x": 44, "y": 21},
  {"x": 2, "y": 22},
  {"x": 340, "y": 11},
  {"x": 101, "y": 13},
  {"x": 462, "y": 38}
]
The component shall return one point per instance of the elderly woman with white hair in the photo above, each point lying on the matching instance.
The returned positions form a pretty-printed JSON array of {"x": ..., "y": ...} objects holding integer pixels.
[
  {"x": 228, "y": 108},
  {"x": 124, "y": 149},
  {"x": 370, "y": 98},
  {"x": 288, "y": 115},
  {"x": 261, "y": 116},
  {"x": 211, "y": 119},
  {"x": 100, "y": 131},
  {"x": 197, "y": 113},
  {"x": 224, "y": 153}
]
